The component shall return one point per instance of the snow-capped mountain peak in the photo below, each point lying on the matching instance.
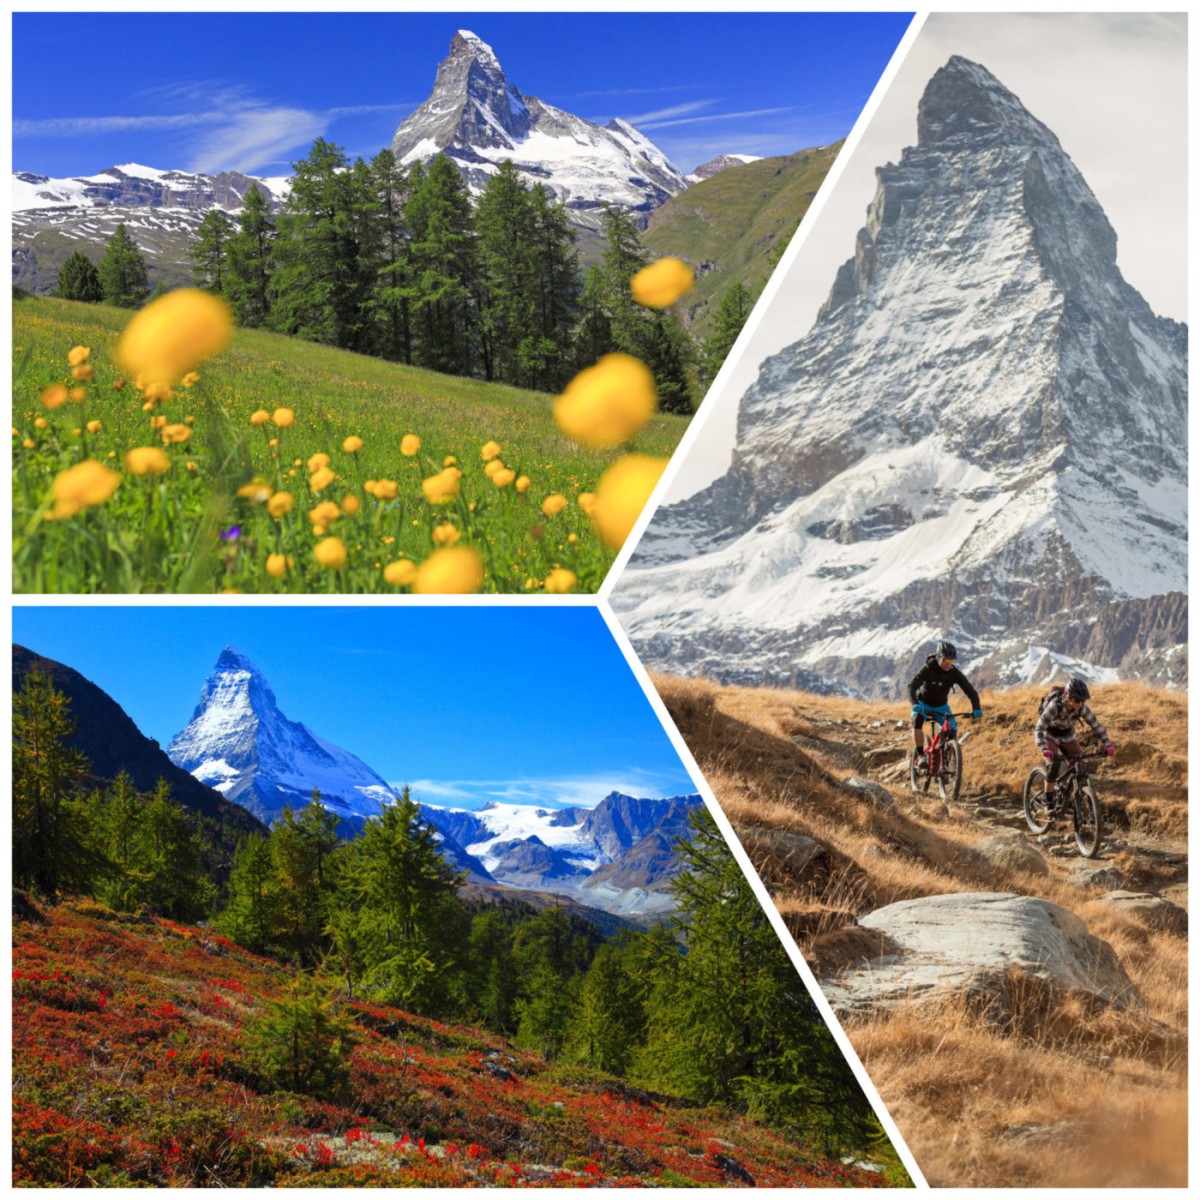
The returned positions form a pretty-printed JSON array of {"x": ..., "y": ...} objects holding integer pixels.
[{"x": 241, "y": 744}]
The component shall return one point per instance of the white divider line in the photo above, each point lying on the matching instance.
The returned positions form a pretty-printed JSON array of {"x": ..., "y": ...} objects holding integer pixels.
[
  {"x": 760, "y": 891},
  {"x": 715, "y": 397}
]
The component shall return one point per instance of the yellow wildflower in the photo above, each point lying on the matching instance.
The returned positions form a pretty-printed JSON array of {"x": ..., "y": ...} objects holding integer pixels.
[
  {"x": 83, "y": 373},
  {"x": 454, "y": 569},
  {"x": 260, "y": 417},
  {"x": 257, "y": 491},
  {"x": 554, "y": 503},
  {"x": 445, "y": 535},
  {"x": 622, "y": 494},
  {"x": 662, "y": 283},
  {"x": 522, "y": 484},
  {"x": 55, "y": 396},
  {"x": 40, "y": 423},
  {"x": 190, "y": 379},
  {"x": 79, "y": 395},
  {"x": 325, "y": 513},
  {"x": 94, "y": 427},
  {"x": 449, "y": 460},
  {"x": 351, "y": 505},
  {"x": 175, "y": 433},
  {"x": 352, "y": 444},
  {"x": 586, "y": 501},
  {"x": 277, "y": 565},
  {"x": 283, "y": 417},
  {"x": 321, "y": 478},
  {"x": 77, "y": 355},
  {"x": 84, "y": 485},
  {"x": 330, "y": 553},
  {"x": 409, "y": 445},
  {"x": 146, "y": 460},
  {"x": 607, "y": 404},
  {"x": 561, "y": 581},
  {"x": 317, "y": 461},
  {"x": 280, "y": 504},
  {"x": 492, "y": 467},
  {"x": 400, "y": 573},
  {"x": 174, "y": 333},
  {"x": 489, "y": 450},
  {"x": 442, "y": 487},
  {"x": 504, "y": 478},
  {"x": 386, "y": 489}
]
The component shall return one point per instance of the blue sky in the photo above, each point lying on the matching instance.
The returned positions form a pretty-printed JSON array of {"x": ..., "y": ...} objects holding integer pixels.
[
  {"x": 467, "y": 704},
  {"x": 250, "y": 91}
]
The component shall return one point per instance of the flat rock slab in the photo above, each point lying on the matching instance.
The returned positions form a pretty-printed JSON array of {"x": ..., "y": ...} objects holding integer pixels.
[
  {"x": 869, "y": 790},
  {"x": 1150, "y": 909},
  {"x": 940, "y": 945}
]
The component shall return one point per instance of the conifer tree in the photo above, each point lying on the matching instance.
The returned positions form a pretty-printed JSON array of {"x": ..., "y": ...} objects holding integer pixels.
[
  {"x": 302, "y": 849},
  {"x": 392, "y": 187},
  {"x": 209, "y": 252},
  {"x": 251, "y": 913},
  {"x": 545, "y": 356},
  {"x": 250, "y": 261},
  {"x": 166, "y": 870},
  {"x": 727, "y": 324},
  {"x": 493, "y": 973},
  {"x": 609, "y": 1019},
  {"x": 594, "y": 336},
  {"x": 78, "y": 279},
  {"x": 123, "y": 276}
]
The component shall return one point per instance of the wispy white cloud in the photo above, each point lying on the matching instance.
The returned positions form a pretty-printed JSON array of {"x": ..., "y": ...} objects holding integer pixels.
[
  {"x": 583, "y": 791},
  {"x": 60, "y": 127},
  {"x": 256, "y": 135},
  {"x": 653, "y": 123},
  {"x": 635, "y": 91},
  {"x": 676, "y": 110}
]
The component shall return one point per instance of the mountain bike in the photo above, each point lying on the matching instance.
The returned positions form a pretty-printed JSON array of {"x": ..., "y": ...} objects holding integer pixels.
[
  {"x": 1072, "y": 792},
  {"x": 943, "y": 759}
]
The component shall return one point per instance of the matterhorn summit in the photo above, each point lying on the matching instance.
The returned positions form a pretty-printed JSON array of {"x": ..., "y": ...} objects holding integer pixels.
[
  {"x": 478, "y": 119},
  {"x": 983, "y": 436},
  {"x": 239, "y": 743}
]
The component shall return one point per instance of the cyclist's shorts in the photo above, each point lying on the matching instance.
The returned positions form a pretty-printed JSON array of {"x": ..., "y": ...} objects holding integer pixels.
[
  {"x": 1069, "y": 746},
  {"x": 935, "y": 711}
]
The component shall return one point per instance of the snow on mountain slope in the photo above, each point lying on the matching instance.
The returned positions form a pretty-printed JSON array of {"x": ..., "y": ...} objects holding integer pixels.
[
  {"x": 239, "y": 743},
  {"x": 479, "y": 119},
  {"x": 983, "y": 435}
]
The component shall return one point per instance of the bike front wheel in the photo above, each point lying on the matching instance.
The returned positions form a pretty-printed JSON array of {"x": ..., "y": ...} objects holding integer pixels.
[
  {"x": 918, "y": 780},
  {"x": 1038, "y": 813},
  {"x": 1089, "y": 828},
  {"x": 950, "y": 774}
]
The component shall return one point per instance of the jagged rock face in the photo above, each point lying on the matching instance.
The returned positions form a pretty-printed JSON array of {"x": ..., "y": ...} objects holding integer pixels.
[
  {"x": 161, "y": 211},
  {"x": 715, "y": 166},
  {"x": 479, "y": 119},
  {"x": 240, "y": 744},
  {"x": 983, "y": 436}
]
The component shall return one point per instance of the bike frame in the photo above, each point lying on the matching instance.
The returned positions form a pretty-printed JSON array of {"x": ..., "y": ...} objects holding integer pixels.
[{"x": 941, "y": 733}]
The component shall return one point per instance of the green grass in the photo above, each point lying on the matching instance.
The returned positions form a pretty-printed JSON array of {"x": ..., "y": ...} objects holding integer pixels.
[{"x": 163, "y": 533}]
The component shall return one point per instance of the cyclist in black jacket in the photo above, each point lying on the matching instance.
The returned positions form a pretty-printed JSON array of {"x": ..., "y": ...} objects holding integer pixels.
[{"x": 929, "y": 690}]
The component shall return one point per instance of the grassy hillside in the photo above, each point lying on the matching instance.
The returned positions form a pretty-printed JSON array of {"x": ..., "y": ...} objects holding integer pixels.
[
  {"x": 1063, "y": 1096},
  {"x": 727, "y": 226},
  {"x": 130, "y": 1068},
  {"x": 161, "y": 532}
]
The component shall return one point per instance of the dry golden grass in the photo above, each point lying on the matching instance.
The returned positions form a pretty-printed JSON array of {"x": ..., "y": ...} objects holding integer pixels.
[{"x": 1061, "y": 1092}]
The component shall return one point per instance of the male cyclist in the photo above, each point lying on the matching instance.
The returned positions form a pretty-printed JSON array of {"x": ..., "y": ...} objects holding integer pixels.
[
  {"x": 930, "y": 688},
  {"x": 1055, "y": 732}
]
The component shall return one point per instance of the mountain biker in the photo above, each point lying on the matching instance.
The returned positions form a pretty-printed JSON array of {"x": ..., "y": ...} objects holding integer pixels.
[
  {"x": 1055, "y": 731},
  {"x": 929, "y": 689}
]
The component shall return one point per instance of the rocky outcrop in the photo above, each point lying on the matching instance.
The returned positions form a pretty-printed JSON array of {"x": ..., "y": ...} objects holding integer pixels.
[{"x": 970, "y": 944}]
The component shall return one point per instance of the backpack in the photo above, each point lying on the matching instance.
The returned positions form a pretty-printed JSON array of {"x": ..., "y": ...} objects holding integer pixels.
[{"x": 1053, "y": 694}]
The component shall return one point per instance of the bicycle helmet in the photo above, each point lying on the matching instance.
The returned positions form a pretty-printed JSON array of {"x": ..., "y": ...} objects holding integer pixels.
[
  {"x": 946, "y": 650},
  {"x": 1077, "y": 689}
]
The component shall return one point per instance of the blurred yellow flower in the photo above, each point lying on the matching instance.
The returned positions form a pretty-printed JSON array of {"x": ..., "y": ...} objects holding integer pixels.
[
  {"x": 401, "y": 573},
  {"x": 260, "y": 417},
  {"x": 283, "y": 417},
  {"x": 40, "y": 423},
  {"x": 554, "y": 503},
  {"x": 257, "y": 491},
  {"x": 55, "y": 396},
  {"x": 77, "y": 355},
  {"x": 94, "y": 427},
  {"x": 190, "y": 379},
  {"x": 607, "y": 404},
  {"x": 277, "y": 565},
  {"x": 175, "y": 433},
  {"x": 79, "y": 395},
  {"x": 155, "y": 393},
  {"x": 352, "y": 444},
  {"x": 622, "y": 494},
  {"x": 330, "y": 553},
  {"x": 409, "y": 445},
  {"x": 489, "y": 450},
  {"x": 442, "y": 487},
  {"x": 492, "y": 467},
  {"x": 29, "y": 444},
  {"x": 445, "y": 535},
  {"x": 449, "y": 460},
  {"x": 321, "y": 478},
  {"x": 317, "y": 461},
  {"x": 351, "y": 505},
  {"x": 146, "y": 460},
  {"x": 280, "y": 504},
  {"x": 84, "y": 485},
  {"x": 455, "y": 569},
  {"x": 325, "y": 513},
  {"x": 157, "y": 422},
  {"x": 586, "y": 501},
  {"x": 504, "y": 478},
  {"x": 662, "y": 283},
  {"x": 560, "y": 581},
  {"x": 174, "y": 333},
  {"x": 83, "y": 373},
  {"x": 386, "y": 489},
  {"x": 522, "y": 484}
]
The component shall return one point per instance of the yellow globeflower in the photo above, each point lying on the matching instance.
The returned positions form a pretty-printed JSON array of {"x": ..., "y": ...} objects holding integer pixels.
[
  {"x": 386, "y": 489},
  {"x": 352, "y": 444},
  {"x": 662, "y": 283},
  {"x": 175, "y": 433},
  {"x": 260, "y": 417},
  {"x": 455, "y": 569},
  {"x": 321, "y": 478},
  {"x": 190, "y": 379},
  {"x": 77, "y": 355},
  {"x": 522, "y": 484},
  {"x": 277, "y": 565},
  {"x": 83, "y": 373},
  {"x": 492, "y": 467},
  {"x": 40, "y": 423},
  {"x": 146, "y": 460},
  {"x": 283, "y": 417},
  {"x": 622, "y": 494},
  {"x": 449, "y": 460},
  {"x": 325, "y": 513},
  {"x": 174, "y": 333},
  {"x": 587, "y": 501},
  {"x": 351, "y": 505},
  {"x": 257, "y": 491},
  {"x": 317, "y": 461},
  {"x": 55, "y": 396},
  {"x": 280, "y": 504},
  {"x": 79, "y": 395},
  {"x": 489, "y": 450},
  {"x": 504, "y": 478},
  {"x": 445, "y": 535},
  {"x": 330, "y": 553},
  {"x": 560, "y": 581},
  {"x": 607, "y": 404},
  {"x": 554, "y": 503},
  {"x": 409, "y": 445},
  {"x": 83, "y": 486},
  {"x": 401, "y": 573},
  {"x": 442, "y": 487},
  {"x": 94, "y": 427}
]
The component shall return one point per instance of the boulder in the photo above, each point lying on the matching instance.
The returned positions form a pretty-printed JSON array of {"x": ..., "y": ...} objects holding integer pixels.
[
  {"x": 1010, "y": 853},
  {"x": 969, "y": 943},
  {"x": 779, "y": 856},
  {"x": 1150, "y": 909},
  {"x": 867, "y": 789}
]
